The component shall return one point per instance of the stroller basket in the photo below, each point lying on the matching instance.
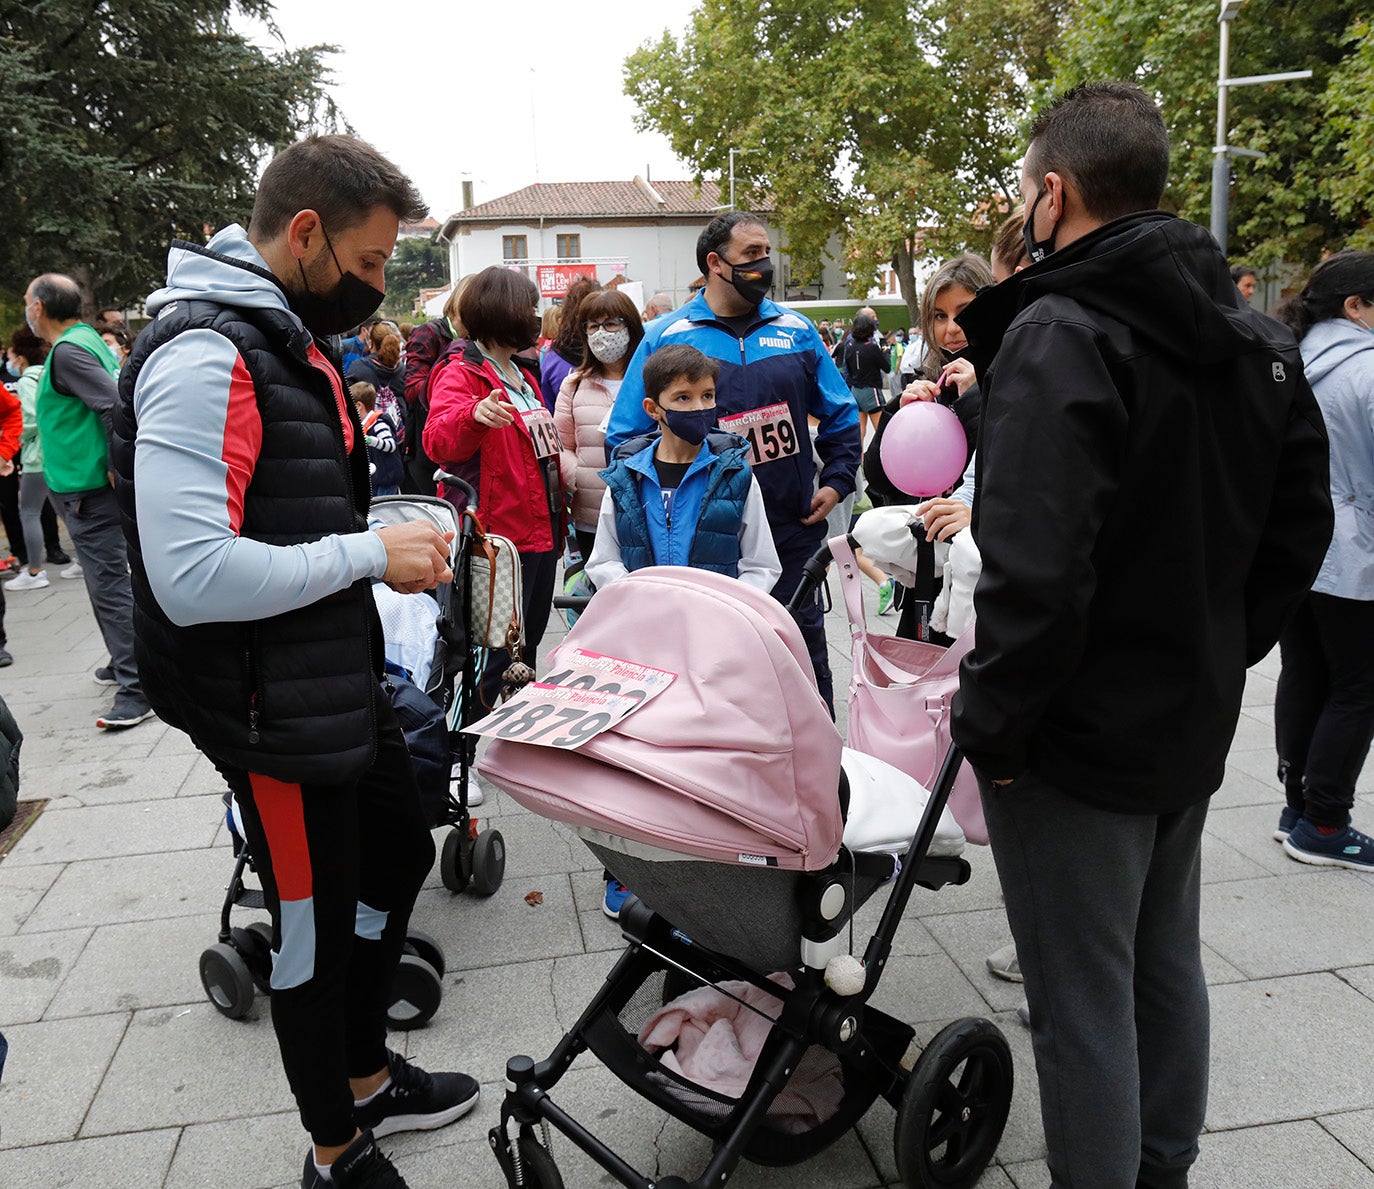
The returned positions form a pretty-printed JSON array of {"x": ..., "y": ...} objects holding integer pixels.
[{"x": 782, "y": 1137}]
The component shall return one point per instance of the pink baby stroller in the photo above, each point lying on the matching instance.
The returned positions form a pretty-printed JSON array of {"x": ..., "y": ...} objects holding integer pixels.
[{"x": 749, "y": 836}]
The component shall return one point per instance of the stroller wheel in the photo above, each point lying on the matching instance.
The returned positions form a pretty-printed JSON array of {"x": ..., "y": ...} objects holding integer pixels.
[
  {"x": 455, "y": 863},
  {"x": 488, "y": 862},
  {"x": 422, "y": 945},
  {"x": 538, "y": 1166},
  {"x": 416, "y": 992},
  {"x": 954, "y": 1107},
  {"x": 226, "y": 979},
  {"x": 254, "y": 945}
]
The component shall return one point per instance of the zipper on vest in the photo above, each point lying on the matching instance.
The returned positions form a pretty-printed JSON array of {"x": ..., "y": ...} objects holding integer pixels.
[{"x": 254, "y": 686}]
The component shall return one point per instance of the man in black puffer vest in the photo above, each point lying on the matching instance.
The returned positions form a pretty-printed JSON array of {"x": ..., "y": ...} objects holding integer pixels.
[{"x": 243, "y": 483}]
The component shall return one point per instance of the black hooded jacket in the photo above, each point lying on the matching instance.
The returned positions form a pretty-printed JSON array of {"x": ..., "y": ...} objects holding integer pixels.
[{"x": 1152, "y": 503}]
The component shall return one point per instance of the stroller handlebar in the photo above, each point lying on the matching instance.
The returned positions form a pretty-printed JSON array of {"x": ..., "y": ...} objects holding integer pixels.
[
  {"x": 813, "y": 574},
  {"x": 449, "y": 480}
]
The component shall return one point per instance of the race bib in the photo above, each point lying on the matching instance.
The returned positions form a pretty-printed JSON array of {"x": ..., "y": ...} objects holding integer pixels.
[
  {"x": 543, "y": 433},
  {"x": 769, "y": 432},
  {"x": 589, "y": 693}
]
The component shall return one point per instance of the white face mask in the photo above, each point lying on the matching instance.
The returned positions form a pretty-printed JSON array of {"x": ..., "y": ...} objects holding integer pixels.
[{"x": 609, "y": 346}]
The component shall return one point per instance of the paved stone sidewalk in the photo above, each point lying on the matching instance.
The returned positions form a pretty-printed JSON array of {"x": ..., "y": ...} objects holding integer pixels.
[{"x": 122, "y": 1075}]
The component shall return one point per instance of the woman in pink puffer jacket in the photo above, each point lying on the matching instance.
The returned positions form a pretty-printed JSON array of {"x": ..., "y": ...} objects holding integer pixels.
[{"x": 611, "y": 330}]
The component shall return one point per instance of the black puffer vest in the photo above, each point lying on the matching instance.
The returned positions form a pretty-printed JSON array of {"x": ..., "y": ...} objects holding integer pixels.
[{"x": 292, "y": 696}]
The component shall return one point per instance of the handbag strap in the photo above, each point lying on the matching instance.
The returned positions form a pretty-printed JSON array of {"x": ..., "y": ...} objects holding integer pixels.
[{"x": 843, "y": 553}]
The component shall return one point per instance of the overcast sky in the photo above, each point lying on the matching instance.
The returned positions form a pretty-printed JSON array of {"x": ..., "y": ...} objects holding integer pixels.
[{"x": 507, "y": 93}]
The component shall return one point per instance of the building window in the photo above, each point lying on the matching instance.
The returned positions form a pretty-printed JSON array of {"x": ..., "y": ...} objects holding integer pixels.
[
  {"x": 515, "y": 247},
  {"x": 569, "y": 247}
]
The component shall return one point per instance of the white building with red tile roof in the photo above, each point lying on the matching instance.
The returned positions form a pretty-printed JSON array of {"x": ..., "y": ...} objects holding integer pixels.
[{"x": 645, "y": 231}]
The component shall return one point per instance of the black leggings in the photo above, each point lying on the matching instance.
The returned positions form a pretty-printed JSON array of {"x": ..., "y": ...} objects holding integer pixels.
[
  {"x": 1324, "y": 707},
  {"x": 341, "y": 866}
]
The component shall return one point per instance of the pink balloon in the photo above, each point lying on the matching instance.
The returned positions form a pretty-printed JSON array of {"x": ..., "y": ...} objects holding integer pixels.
[{"x": 924, "y": 449}]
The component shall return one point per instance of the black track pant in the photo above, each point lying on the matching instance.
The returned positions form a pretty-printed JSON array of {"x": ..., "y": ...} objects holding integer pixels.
[
  {"x": 1324, "y": 707},
  {"x": 341, "y": 866}
]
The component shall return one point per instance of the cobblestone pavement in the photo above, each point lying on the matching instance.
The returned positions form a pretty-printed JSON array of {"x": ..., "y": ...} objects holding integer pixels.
[{"x": 121, "y": 1073}]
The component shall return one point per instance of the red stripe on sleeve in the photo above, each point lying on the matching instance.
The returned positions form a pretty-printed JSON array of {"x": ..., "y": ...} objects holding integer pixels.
[
  {"x": 283, "y": 821},
  {"x": 242, "y": 439}
]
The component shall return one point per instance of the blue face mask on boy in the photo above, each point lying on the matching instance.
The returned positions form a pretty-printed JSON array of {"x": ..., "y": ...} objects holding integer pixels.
[{"x": 692, "y": 425}]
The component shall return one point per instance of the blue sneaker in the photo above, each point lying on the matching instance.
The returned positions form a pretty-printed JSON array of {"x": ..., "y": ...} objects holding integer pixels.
[
  {"x": 1345, "y": 848},
  {"x": 616, "y": 895},
  {"x": 1288, "y": 818}
]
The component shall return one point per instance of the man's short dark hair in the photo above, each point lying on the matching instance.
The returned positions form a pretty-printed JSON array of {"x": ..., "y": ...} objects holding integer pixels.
[
  {"x": 864, "y": 327},
  {"x": 1240, "y": 271},
  {"x": 718, "y": 232},
  {"x": 1107, "y": 138},
  {"x": 60, "y": 295},
  {"x": 496, "y": 307},
  {"x": 677, "y": 362},
  {"x": 340, "y": 178},
  {"x": 28, "y": 346}
]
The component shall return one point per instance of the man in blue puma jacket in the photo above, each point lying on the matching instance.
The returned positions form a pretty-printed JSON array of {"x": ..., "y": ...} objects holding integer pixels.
[{"x": 774, "y": 372}]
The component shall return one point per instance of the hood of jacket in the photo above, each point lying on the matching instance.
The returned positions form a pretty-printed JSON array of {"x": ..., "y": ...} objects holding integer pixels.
[
  {"x": 228, "y": 270},
  {"x": 1159, "y": 275},
  {"x": 1332, "y": 343}
]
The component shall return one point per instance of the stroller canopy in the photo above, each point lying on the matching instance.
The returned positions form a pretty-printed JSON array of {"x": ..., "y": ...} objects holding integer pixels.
[{"x": 736, "y": 761}]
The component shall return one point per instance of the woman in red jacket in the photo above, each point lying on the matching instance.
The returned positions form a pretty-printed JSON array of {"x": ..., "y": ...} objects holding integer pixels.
[{"x": 489, "y": 425}]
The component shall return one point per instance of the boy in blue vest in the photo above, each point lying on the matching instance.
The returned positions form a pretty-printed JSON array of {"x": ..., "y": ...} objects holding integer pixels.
[{"x": 683, "y": 496}]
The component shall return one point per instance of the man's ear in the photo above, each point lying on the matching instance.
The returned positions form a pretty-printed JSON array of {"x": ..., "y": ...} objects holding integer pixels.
[
  {"x": 1054, "y": 196},
  {"x": 304, "y": 234},
  {"x": 651, "y": 409}
]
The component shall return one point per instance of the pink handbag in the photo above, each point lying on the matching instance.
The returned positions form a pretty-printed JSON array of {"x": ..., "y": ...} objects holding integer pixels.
[{"x": 900, "y": 693}]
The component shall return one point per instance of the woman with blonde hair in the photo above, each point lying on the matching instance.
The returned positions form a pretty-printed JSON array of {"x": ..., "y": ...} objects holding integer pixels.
[{"x": 381, "y": 367}]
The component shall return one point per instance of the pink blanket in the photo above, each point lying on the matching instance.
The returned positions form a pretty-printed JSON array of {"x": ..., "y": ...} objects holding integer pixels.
[{"x": 712, "y": 1041}]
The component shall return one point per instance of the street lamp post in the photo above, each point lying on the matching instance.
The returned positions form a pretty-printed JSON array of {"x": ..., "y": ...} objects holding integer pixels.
[
  {"x": 733, "y": 153},
  {"x": 1223, "y": 152}
]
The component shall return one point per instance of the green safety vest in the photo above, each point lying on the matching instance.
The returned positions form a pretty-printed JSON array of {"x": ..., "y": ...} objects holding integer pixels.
[{"x": 75, "y": 451}]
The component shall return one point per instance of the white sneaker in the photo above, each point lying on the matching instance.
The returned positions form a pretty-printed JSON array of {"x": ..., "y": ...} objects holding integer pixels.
[
  {"x": 475, "y": 794},
  {"x": 28, "y": 581},
  {"x": 72, "y": 571}
]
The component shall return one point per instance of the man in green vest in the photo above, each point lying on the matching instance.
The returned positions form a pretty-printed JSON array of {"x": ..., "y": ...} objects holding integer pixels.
[{"x": 75, "y": 400}]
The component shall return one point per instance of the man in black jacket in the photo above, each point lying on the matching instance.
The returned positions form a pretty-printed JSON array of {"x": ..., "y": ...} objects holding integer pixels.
[
  {"x": 1152, "y": 502},
  {"x": 243, "y": 483}
]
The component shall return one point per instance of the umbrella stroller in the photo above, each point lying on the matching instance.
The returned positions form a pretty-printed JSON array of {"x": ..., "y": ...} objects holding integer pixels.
[
  {"x": 240, "y": 962},
  {"x": 749, "y": 837}
]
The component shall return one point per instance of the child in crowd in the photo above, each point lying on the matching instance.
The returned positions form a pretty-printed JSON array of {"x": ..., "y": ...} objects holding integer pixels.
[
  {"x": 380, "y": 436},
  {"x": 681, "y": 497},
  {"x": 685, "y": 495}
]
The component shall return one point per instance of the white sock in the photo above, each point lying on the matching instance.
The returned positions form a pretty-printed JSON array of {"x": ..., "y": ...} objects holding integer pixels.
[
  {"x": 382, "y": 1089},
  {"x": 322, "y": 1169}
]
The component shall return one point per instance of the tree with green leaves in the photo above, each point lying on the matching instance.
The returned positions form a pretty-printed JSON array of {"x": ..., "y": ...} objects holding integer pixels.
[
  {"x": 1314, "y": 189},
  {"x": 127, "y": 123},
  {"x": 418, "y": 263},
  {"x": 894, "y": 122}
]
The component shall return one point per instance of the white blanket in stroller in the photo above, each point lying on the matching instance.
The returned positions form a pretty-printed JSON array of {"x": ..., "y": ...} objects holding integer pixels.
[
  {"x": 410, "y": 627},
  {"x": 714, "y": 1041}
]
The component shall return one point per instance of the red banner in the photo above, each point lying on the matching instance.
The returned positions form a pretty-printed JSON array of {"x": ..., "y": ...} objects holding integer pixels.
[{"x": 554, "y": 279}]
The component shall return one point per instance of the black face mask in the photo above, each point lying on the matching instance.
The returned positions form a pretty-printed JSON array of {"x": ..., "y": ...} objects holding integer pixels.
[
  {"x": 348, "y": 303},
  {"x": 1037, "y": 249},
  {"x": 753, "y": 280}
]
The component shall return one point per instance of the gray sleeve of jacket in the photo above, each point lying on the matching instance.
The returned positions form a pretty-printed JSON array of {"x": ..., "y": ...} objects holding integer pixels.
[
  {"x": 76, "y": 372},
  {"x": 199, "y": 434}
]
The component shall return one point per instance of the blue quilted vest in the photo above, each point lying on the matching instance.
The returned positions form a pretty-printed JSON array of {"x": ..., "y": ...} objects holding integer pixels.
[{"x": 714, "y": 496}]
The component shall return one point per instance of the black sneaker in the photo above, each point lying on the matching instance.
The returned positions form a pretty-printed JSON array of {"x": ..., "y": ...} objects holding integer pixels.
[
  {"x": 5, "y": 659},
  {"x": 58, "y": 557},
  {"x": 104, "y": 676},
  {"x": 360, "y": 1166},
  {"x": 126, "y": 712},
  {"x": 416, "y": 1100}
]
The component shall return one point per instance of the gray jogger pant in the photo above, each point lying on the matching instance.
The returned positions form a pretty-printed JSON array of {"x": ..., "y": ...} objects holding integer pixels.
[
  {"x": 95, "y": 528},
  {"x": 1104, "y": 910}
]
